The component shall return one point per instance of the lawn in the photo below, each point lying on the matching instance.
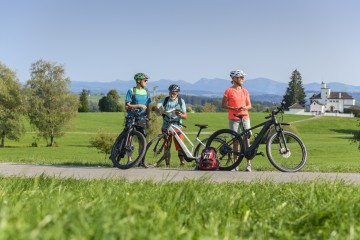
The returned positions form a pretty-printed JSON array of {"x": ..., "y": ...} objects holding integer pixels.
[
  {"x": 328, "y": 141},
  {"x": 52, "y": 208}
]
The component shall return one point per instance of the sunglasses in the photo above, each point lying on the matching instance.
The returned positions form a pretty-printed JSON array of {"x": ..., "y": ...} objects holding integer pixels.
[{"x": 144, "y": 80}]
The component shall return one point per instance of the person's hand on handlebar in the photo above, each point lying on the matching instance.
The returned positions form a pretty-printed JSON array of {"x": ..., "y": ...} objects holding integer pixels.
[
  {"x": 143, "y": 107},
  {"x": 129, "y": 106}
]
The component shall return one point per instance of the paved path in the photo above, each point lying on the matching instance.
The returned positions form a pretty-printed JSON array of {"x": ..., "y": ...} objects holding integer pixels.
[
  {"x": 308, "y": 119},
  {"x": 136, "y": 174}
]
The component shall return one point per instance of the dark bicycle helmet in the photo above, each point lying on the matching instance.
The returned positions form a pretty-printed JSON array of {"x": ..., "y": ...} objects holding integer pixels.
[
  {"x": 174, "y": 88},
  {"x": 141, "y": 76}
]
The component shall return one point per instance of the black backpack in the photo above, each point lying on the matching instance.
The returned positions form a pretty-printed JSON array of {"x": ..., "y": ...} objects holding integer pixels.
[{"x": 167, "y": 100}]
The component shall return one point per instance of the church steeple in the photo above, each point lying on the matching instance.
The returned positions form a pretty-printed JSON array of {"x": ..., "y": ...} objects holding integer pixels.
[{"x": 325, "y": 92}]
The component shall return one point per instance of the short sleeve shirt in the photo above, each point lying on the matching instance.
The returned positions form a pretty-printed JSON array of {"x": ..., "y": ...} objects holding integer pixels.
[
  {"x": 236, "y": 98},
  {"x": 141, "y": 97},
  {"x": 171, "y": 104}
]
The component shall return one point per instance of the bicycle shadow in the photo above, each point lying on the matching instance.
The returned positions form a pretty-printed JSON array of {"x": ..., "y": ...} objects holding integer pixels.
[{"x": 80, "y": 164}]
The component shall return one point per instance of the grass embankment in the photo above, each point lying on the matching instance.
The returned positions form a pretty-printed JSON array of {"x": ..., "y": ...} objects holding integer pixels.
[{"x": 49, "y": 208}]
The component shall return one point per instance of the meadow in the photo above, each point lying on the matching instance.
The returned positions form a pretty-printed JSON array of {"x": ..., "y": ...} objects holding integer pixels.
[
  {"x": 327, "y": 139},
  {"x": 52, "y": 208}
]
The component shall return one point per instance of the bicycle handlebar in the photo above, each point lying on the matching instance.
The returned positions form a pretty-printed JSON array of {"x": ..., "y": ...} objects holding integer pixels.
[
  {"x": 278, "y": 109},
  {"x": 172, "y": 120},
  {"x": 135, "y": 111}
]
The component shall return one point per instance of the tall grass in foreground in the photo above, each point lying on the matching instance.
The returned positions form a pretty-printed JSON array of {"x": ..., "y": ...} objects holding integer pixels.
[{"x": 50, "y": 208}]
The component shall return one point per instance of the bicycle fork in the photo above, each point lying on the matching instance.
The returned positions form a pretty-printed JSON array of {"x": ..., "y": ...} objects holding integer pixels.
[
  {"x": 128, "y": 148},
  {"x": 283, "y": 148}
]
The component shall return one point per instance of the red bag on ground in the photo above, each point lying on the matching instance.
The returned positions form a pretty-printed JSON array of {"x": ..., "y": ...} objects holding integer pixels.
[{"x": 208, "y": 160}]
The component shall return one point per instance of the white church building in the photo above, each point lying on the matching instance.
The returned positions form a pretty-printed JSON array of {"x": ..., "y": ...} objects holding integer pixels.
[{"x": 330, "y": 102}]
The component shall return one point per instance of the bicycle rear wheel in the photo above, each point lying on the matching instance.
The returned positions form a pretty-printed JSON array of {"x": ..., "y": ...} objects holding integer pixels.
[
  {"x": 128, "y": 149},
  {"x": 229, "y": 147},
  {"x": 157, "y": 150},
  {"x": 286, "y": 151},
  {"x": 201, "y": 146}
]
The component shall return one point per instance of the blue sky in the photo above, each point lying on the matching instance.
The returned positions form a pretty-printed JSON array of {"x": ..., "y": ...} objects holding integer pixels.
[{"x": 184, "y": 40}]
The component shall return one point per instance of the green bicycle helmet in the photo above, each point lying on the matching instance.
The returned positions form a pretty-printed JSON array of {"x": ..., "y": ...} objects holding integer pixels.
[{"x": 140, "y": 76}]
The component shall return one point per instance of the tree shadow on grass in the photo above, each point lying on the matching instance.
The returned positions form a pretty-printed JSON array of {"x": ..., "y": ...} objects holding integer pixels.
[
  {"x": 6, "y": 147},
  {"x": 344, "y": 131},
  {"x": 79, "y": 145}
]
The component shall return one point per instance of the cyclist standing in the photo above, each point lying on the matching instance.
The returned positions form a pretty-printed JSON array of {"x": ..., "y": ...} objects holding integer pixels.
[
  {"x": 237, "y": 100},
  {"x": 139, "y": 98},
  {"x": 173, "y": 101}
]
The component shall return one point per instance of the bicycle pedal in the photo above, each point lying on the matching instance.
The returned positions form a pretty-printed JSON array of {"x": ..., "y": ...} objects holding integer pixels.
[{"x": 261, "y": 153}]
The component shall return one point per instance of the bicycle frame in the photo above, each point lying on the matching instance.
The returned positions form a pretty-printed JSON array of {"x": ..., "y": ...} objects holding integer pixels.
[
  {"x": 189, "y": 153},
  {"x": 130, "y": 124},
  {"x": 251, "y": 151}
]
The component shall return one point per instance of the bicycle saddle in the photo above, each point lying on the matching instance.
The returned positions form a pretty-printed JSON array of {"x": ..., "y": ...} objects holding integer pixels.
[
  {"x": 202, "y": 125},
  {"x": 241, "y": 116}
]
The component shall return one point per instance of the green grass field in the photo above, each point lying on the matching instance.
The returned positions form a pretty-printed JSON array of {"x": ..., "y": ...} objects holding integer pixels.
[
  {"x": 327, "y": 140},
  {"x": 51, "y": 208}
]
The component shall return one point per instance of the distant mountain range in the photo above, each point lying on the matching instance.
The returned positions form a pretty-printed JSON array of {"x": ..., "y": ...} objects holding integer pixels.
[{"x": 264, "y": 87}]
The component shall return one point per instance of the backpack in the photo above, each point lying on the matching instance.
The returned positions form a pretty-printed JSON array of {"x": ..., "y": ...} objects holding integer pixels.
[
  {"x": 208, "y": 160},
  {"x": 133, "y": 100},
  {"x": 167, "y": 99}
]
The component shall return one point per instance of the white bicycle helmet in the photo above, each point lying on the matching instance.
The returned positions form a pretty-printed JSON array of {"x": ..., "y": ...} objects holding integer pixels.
[{"x": 237, "y": 73}]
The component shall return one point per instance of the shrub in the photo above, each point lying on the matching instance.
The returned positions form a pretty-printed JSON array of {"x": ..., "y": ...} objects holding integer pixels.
[
  {"x": 103, "y": 141},
  {"x": 354, "y": 110}
]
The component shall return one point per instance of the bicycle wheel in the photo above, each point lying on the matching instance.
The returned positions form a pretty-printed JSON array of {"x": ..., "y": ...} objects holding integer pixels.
[
  {"x": 229, "y": 147},
  {"x": 128, "y": 149},
  {"x": 157, "y": 150},
  {"x": 286, "y": 151}
]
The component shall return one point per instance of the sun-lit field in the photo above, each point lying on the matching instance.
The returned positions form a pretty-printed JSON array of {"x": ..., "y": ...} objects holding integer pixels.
[
  {"x": 50, "y": 208},
  {"x": 327, "y": 139}
]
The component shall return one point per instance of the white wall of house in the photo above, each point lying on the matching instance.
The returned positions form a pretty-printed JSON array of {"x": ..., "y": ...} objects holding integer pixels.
[
  {"x": 335, "y": 105},
  {"x": 338, "y": 114},
  {"x": 317, "y": 108},
  {"x": 295, "y": 111},
  {"x": 349, "y": 102}
]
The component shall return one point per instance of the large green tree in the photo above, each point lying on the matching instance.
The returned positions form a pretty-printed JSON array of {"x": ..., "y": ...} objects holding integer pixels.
[
  {"x": 11, "y": 106},
  {"x": 295, "y": 92},
  {"x": 110, "y": 102},
  {"x": 51, "y": 104},
  {"x": 84, "y": 105}
]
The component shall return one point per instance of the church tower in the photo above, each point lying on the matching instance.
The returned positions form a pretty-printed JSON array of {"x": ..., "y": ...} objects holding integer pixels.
[{"x": 325, "y": 93}]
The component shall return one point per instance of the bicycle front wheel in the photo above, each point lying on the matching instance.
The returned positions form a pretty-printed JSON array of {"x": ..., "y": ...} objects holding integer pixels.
[
  {"x": 157, "y": 150},
  {"x": 128, "y": 149},
  {"x": 286, "y": 151},
  {"x": 229, "y": 148}
]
